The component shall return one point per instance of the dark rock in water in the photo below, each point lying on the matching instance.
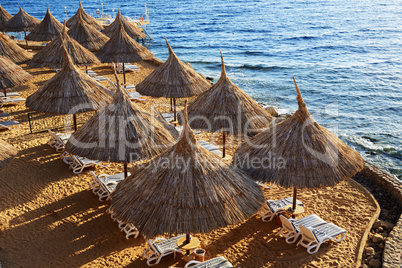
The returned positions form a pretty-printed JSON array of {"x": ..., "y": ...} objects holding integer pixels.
[
  {"x": 209, "y": 78},
  {"x": 370, "y": 139}
]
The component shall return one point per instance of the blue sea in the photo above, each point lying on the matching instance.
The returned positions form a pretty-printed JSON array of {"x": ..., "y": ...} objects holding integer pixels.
[{"x": 345, "y": 55}]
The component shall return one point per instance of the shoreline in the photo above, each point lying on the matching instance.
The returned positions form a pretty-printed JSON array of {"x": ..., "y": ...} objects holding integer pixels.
[{"x": 36, "y": 141}]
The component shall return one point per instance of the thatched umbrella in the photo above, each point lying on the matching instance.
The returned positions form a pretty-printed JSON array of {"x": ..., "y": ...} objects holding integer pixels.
[
  {"x": 226, "y": 108},
  {"x": 52, "y": 54},
  {"x": 48, "y": 29},
  {"x": 122, "y": 48},
  {"x": 173, "y": 79},
  {"x": 69, "y": 91},
  {"x": 130, "y": 29},
  {"x": 86, "y": 35},
  {"x": 7, "y": 152},
  {"x": 21, "y": 21},
  {"x": 298, "y": 153},
  {"x": 122, "y": 132},
  {"x": 12, "y": 51},
  {"x": 4, "y": 17},
  {"x": 86, "y": 17},
  {"x": 186, "y": 189},
  {"x": 11, "y": 74}
]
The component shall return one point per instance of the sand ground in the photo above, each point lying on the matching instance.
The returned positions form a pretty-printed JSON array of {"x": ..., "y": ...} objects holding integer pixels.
[{"x": 50, "y": 218}]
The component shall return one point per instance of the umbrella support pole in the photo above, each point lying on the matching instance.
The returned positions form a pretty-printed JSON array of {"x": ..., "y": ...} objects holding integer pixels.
[
  {"x": 124, "y": 75},
  {"x": 125, "y": 170},
  {"x": 224, "y": 144},
  {"x": 86, "y": 69},
  {"x": 5, "y": 92},
  {"x": 75, "y": 122},
  {"x": 294, "y": 200},
  {"x": 26, "y": 41},
  {"x": 171, "y": 104},
  {"x": 174, "y": 112}
]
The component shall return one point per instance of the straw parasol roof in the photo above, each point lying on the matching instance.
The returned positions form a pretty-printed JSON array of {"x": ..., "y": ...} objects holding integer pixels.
[
  {"x": 69, "y": 91},
  {"x": 48, "y": 29},
  {"x": 173, "y": 79},
  {"x": 86, "y": 17},
  {"x": 52, "y": 54},
  {"x": 4, "y": 17},
  {"x": 312, "y": 155},
  {"x": 12, "y": 51},
  {"x": 11, "y": 75},
  {"x": 131, "y": 29},
  {"x": 7, "y": 152},
  {"x": 21, "y": 21},
  {"x": 121, "y": 132},
  {"x": 86, "y": 35},
  {"x": 186, "y": 189},
  {"x": 226, "y": 107},
  {"x": 122, "y": 48}
]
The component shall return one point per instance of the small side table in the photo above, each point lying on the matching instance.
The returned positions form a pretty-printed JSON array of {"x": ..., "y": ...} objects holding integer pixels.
[
  {"x": 174, "y": 122},
  {"x": 194, "y": 243},
  {"x": 299, "y": 210}
]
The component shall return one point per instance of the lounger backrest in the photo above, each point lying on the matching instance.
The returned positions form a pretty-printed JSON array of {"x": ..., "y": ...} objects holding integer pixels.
[
  {"x": 308, "y": 233},
  {"x": 286, "y": 223}
]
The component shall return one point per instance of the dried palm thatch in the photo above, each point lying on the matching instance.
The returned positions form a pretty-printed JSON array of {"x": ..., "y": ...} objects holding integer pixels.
[
  {"x": 7, "y": 153},
  {"x": 11, "y": 75},
  {"x": 69, "y": 91},
  {"x": 122, "y": 48},
  {"x": 4, "y": 17},
  {"x": 12, "y": 51},
  {"x": 48, "y": 29},
  {"x": 226, "y": 107},
  {"x": 173, "y": 79},
  {"x": 186, "y": 189},
  {"x": 21, "y": 21},
  {"x": 299, "y": 153},
  {"x": 122, "y": 132},
  {"x": 86, "y": 17},
  {"x": 131, "y": 29},
  {"x": 52, "y": 54},
  {"x": 86, "y": 35}
]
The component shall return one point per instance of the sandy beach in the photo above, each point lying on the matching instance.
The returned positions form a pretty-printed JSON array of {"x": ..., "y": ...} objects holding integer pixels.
[{"x": 50, "y": 218}]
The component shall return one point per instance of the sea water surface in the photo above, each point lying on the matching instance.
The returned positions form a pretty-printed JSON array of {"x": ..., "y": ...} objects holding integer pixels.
[{"x": 345, "y": 54}]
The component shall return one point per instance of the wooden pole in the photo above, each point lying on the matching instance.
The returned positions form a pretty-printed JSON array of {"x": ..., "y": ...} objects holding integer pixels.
[
  {"x": 124, "y": 75},
  {"x": 5, "y": 92},
  {"x": 171, "y": 104},
  {"x": 188, "y": 238},
  {"x": 125, "y": 170},
  {"x": 294, "y": 200},
  {"x": 75, "y": 122},
  {"x": 174, "y": 104},
  {"x": 26, "y": 41},
  {"x": 86, "y": 69},
  {"x": 224, "y": 141}
]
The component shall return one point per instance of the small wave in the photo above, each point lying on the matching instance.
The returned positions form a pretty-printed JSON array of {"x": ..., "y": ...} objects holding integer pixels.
[
  {"x": 304, "y": 37},
  {"x": 261, "y": 67}
]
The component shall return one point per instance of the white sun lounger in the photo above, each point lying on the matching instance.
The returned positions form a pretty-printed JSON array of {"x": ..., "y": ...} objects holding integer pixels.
[
  {"x": 217, "y": 262},
  {"x": 9, "y": 94},
  {"x": 79, "y": 163},
  {"x": 272, "y": 207},
  {"x": 14, "y": 101},
  {"x": 128, "y": 228},
  {"x": 58, "y": 140},
  {"x": 312, "y": 238},
  {"x": 160, "y": 247},
  {"x": 5, "y": 117},
  {"x": 128, "y": 67},
  {"x": 103, "y": 185},
  {"x": 210, "y": 147},
  {"x": 91, "y": 73},
  {"x": 9, "y": 125},
  {"x": 133, "y": 95},
  {"x": 290, "y": 227}
]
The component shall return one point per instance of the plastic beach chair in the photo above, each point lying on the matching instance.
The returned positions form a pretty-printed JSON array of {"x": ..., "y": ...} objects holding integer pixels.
[
  {"x": 102, "y": 185},
  {"x": 272, "y": 207},
  {"x": 9, "y": 94},
  {"x": 312, "y": 238},
  {"x": 79, "y": 163},
  {"x": 217, "y": 262},
  {"x": 9, "y": 125},
  {"x": 160, "y": 247},
  {"x": 8, "y": 100},
  {"x": 128, "y": 228},
  {"x": 58, "y": 140},
  {"x": 133, "y": 95},
  {"x": 290, "y": 227},
  {"x": 5, "y": 117}
]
